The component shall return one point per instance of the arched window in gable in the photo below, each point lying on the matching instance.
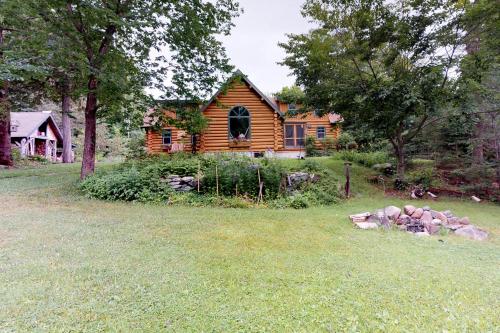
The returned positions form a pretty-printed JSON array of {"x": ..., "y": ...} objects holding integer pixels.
[{"x": 239, "y": 123}]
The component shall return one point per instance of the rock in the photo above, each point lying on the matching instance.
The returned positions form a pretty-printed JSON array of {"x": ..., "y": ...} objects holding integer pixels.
[
  {"x": 476, "y": 199},
  {"x": 373, "y": 218},
  {"x": 417, "y": 214},
  {"x": 441, "y": 217},
  {"x": 392, "y": 212},
  {"x": 432, "y": 195},
  {"x": 432, "y": 228},
  {"x": 402, "y": 227},
  {"x": 367, "y": 225},
  {"x": 409, "y": 209},
  {"x": 402, "y": 219},
  {"x": 426, "y": 208},
  {"x": 448, "y": 213},
  {"x": 453, "y": 226},
  {"x": 172, "y": 183},
  {"x": 422, "y": 234},
  {"x": 472, "y": 232},
  {"x": 426, "y": 217},
  {"x": 361, "y": 217},
  {"x": 175, "y": 187},
  {"x": 436, "y": 222},
  {"x": 464, "y": 220},
  {"x": 187, "y": 179},
  {"x": 382, "y": 218},
  {"x": 453, "y": 220}
]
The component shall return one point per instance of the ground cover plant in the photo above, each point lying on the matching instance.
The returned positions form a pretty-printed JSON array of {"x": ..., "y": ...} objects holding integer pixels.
[
  {"x": 75, "y": 264},
  {"x": 227, "y": 180}
]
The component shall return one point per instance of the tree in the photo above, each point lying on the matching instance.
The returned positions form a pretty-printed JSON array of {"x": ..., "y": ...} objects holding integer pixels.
[
  {"x": 119, "y": 35},
  {"x": 383, "y": 65},
  {"x": 290, "y": 95},
  {"x": 18, "y": 63},
  {"x": 189, "y": 118}
]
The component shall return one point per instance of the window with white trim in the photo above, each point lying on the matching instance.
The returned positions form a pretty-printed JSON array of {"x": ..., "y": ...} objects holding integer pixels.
[
  {"x": 320, "y": 132},
  {"x": 166, "y": 137}
]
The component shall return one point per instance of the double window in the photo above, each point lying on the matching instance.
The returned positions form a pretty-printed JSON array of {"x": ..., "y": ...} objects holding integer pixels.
[
  {"x": 320, "y": 133},
  {"x": 239, "y": 123},
  {"x": 295, "y": 135},
  {"x": 166, "y": 137}
]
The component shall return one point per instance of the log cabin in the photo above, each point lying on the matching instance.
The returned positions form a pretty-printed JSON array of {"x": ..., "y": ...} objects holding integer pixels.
[{"x": 242, "y": 119}]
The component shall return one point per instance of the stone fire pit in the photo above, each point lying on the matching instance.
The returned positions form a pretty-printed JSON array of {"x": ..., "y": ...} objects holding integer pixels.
[{"x": 420, "y": 221}]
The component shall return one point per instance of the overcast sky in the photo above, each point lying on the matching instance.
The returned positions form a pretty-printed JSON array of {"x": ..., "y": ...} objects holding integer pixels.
[{"x": 253, "y": 44}]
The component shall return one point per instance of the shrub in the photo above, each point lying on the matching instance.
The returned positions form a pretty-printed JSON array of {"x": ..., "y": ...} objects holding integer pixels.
[
  {"x": 237, "y": 179},
  {"x": 327, "y": 146},
  {"x": 310, "y": 145},
  {"x": 346, "y": 140},
  {"x": 426, "y": 177},
  {"x": 368, "y": 159}
]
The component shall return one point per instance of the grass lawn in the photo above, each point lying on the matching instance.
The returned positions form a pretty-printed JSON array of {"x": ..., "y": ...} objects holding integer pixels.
[{"x": 72, "y": 264}]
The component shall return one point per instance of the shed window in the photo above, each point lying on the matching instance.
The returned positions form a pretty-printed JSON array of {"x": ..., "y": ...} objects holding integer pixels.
[
  {"x": 320, "y": 133},
  {"x": 292, "y": 107},
  {"x": 166, "y": 137},
  {"x": 239, "y": 123}
]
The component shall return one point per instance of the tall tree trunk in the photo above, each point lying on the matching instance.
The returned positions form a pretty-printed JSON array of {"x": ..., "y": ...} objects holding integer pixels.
[
  {"x": 5, "y": 148},
  {"x": 67, "y": 154},
  {"x": 88, "y": 161},
  {"x": 399, "y": 151},
  {"x": 478, "y": 146}
]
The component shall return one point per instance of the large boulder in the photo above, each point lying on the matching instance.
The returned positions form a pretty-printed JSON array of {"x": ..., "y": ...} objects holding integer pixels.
[
  {"x": 417, "y": 214},
  {"x": 409, "y": 209},
  {"x": 472, "y": 232},
  {"x": 392, "y": 212}
]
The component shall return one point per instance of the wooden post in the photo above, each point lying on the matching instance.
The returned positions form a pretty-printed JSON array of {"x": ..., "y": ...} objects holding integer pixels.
[
  {"x": 260, "y": 196},
  {"x": 216, "y": 180},
  {"x": 347, "y": 179}
]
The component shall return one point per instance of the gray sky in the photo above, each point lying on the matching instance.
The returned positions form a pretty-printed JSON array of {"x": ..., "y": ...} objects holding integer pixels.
[{"x": 253, "y": 44}]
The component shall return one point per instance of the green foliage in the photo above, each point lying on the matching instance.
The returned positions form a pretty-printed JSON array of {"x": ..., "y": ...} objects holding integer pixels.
[
  {"x": 426, "y": 177},
  {"x": 368, "y": 159},
  {"x": 128, "y": 184},
  {"x": 346, "y": 141},
  {"x": 378, "y": 63},
  {"x": 241, "y": 175},
  {"x": 136, "y": 146},
  {"x": 290, "y": 95},
  {"x": 310, "y": 146},
  {"x": 237, "y": 179}
]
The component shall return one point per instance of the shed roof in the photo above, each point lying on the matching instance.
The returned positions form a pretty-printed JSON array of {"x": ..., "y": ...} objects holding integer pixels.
[{"x": 28, "y": 122}]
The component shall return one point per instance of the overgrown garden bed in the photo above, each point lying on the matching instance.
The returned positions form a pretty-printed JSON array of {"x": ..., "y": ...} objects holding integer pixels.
[{"x": 216, "y": 180}]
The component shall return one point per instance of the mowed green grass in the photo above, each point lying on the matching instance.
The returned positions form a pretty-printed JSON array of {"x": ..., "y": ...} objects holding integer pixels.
[{"x": 72, "y": 264}]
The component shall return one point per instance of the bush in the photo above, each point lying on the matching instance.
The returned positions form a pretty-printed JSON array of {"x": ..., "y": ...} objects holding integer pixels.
[
  {"x": 368, "y": 159},
  {"x": 426, "y": 177},
  {"x": 310, "y": 146},
  {"x": 237, "y": 179},
  {"x": 241, "y": 176},
  {"x": 126, "y": 185},
  {"x": 346, "y": 141},
  {"x": 135, "y": 147}
]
